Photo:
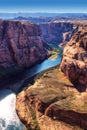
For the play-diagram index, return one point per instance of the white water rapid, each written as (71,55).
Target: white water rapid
(8,117)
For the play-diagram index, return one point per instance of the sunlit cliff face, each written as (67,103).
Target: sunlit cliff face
(74,62)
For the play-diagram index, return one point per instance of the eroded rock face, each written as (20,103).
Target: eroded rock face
(20,44)
(53,103)
(58,32)
(74,61)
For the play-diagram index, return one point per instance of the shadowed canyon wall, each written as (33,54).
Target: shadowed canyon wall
(58,32)
(20,44)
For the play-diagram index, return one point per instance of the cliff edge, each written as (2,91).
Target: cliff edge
(20,44)
(74,61)
(52,103)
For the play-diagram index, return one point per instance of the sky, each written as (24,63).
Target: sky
(50,6)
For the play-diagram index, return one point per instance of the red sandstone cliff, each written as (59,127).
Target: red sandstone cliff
(20,44)
(58,32)
(74,62)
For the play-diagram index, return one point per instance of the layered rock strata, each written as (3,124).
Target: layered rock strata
(58,32)
(53,103)
(20,44)
(74,61)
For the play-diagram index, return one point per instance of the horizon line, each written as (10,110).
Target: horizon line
(47,12)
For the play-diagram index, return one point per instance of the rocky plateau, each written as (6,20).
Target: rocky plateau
(52,103)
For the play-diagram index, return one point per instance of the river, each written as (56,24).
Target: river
(8,117)
(46,64)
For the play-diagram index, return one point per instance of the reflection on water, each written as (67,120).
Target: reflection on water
(8,117)
(46,64)
(43,66)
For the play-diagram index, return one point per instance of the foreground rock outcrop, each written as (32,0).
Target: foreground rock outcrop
(74,61)
(52,103)
(20,44)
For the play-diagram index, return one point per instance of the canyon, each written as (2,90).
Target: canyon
(23,44)
(57,98)
(53,102)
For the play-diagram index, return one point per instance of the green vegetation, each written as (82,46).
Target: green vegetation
(54,55)
(35,122)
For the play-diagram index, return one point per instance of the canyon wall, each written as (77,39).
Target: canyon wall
(58,32)
(74,61)
(20,44)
